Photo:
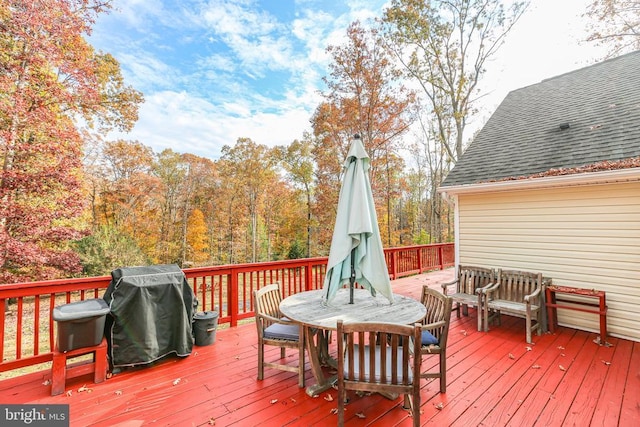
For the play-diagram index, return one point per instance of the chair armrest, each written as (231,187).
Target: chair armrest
(271,319)
(433,326)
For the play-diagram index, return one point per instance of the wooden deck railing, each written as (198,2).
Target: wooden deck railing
(27,329)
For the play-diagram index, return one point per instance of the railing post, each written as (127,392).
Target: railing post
(394,265)
(441,256)
(232,297)
(419,253)
(307,276)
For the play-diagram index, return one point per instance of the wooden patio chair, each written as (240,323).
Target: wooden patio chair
(435,330)
(276,330)
(372,357)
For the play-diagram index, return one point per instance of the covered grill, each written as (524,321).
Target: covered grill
(151,315)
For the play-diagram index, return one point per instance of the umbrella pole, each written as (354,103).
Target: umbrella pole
(352,278)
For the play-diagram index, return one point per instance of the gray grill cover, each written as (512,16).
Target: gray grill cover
(151,314)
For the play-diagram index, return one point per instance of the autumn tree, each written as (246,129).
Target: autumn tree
(364,97)
(248,167)
(200,188)
(197,240)
(443,46)
(50,77)
(127,192)
(297,161)
(616,24)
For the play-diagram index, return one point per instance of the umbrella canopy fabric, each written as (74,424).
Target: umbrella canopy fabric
(356,228)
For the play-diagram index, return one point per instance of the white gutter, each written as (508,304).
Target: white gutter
(587,178)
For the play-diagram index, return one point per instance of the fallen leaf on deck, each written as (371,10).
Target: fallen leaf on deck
(84,388)
(464,333)
(335,410)
(328,398)
(118,392)
(560,347)
(176,381)
(293,400)
(69,392)
(274,401)
(438,405)
(109,375)
(535,367)
(511,356)
(528,348)
(562,368)
(360,415)
(315,396)
(212,422)
(47,382)
(606,363)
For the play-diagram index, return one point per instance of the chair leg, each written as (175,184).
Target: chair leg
(260,361)
(443,372)
(528,320)
(301,365)
(342,396)
(415,408)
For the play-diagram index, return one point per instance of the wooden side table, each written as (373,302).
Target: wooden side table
(60,372)
(599,308)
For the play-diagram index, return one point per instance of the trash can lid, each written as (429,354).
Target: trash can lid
(81,310)
(205,315)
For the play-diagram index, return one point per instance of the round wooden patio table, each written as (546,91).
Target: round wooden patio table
(319,317)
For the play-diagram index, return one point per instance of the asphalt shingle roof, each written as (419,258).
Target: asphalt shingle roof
(523,137)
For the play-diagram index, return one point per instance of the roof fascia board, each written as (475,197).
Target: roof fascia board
(589,178)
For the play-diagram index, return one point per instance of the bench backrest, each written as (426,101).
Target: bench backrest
(471,278)
(515,284)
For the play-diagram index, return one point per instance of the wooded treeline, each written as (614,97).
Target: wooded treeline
(74,203)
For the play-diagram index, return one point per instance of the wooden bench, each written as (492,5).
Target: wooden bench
(517,293)
(469,280)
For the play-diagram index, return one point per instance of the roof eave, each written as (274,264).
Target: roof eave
(590,178)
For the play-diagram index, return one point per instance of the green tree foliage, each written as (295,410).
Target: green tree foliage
(50,76)
(106,249)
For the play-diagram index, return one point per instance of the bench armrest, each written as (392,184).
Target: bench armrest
(528,298)
(445,285)
(488,289)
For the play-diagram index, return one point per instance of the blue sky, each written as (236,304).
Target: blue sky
(216,70)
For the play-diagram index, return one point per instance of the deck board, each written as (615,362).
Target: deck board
(493,379)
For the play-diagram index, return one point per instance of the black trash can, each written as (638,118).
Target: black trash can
(204,327)
(80,324)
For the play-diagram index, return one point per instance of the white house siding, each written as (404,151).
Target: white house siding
(583,236)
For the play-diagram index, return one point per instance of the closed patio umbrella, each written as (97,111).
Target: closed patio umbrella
(356,248)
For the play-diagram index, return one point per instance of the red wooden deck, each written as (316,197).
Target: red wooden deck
(494,379)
